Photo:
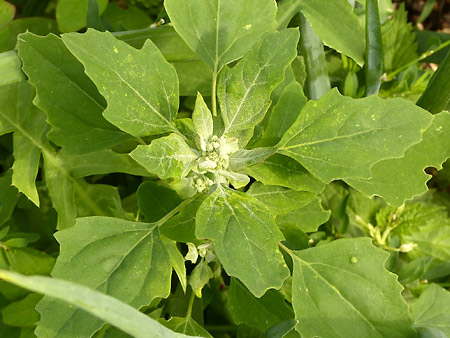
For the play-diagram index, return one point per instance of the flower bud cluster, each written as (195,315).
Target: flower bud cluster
(215,154)
(202,183)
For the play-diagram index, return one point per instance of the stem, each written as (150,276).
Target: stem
(190,306)
(391,75)
(214,90)
(175,211)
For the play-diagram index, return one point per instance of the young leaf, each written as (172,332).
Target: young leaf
(177,260)
(432,310)
(235,220)
(166,157)
(399,41)
(244,90)
(286,172)
(98,304)
(199,277)
(342,287)
(339,137)
(18,115)
(261,313)
(202,119)
(406,177)
(108,255)
(221,31)
(72,103)
(140,86)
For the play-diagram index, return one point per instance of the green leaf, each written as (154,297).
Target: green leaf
(181,227)
(22,312)
(342,287)
(140,86)
(281,200)
(221,31)
(200,276)
(71,14)
(105,307)
(9,196)
(156,201)
(61,191)
(286,172)
(131,18)
(261,313)
(7,12)
(432,310)
(30,261)
(166,157)
(399,41)
(235,220)
(244,90)
(406,177)
(286,111)
(100,163)
(93,15)
(336,25)
(186,326)
(108,255)
(69,98)
(10,65)
(177,260)
(307,218)
(18,115)
(339,137)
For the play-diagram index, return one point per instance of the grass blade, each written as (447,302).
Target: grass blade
(110,309)
(437,95)
(317,81)
(374,50)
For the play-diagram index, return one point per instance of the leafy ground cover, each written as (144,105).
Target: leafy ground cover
(222,168)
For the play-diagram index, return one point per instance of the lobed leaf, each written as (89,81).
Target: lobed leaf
(261,313)
(140,86)
(69,98)
(221,31)
(338,137)
(245,238)
(244,90)
(18,115)
(431,311)
(406,177)
(342,287)
(105,254)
